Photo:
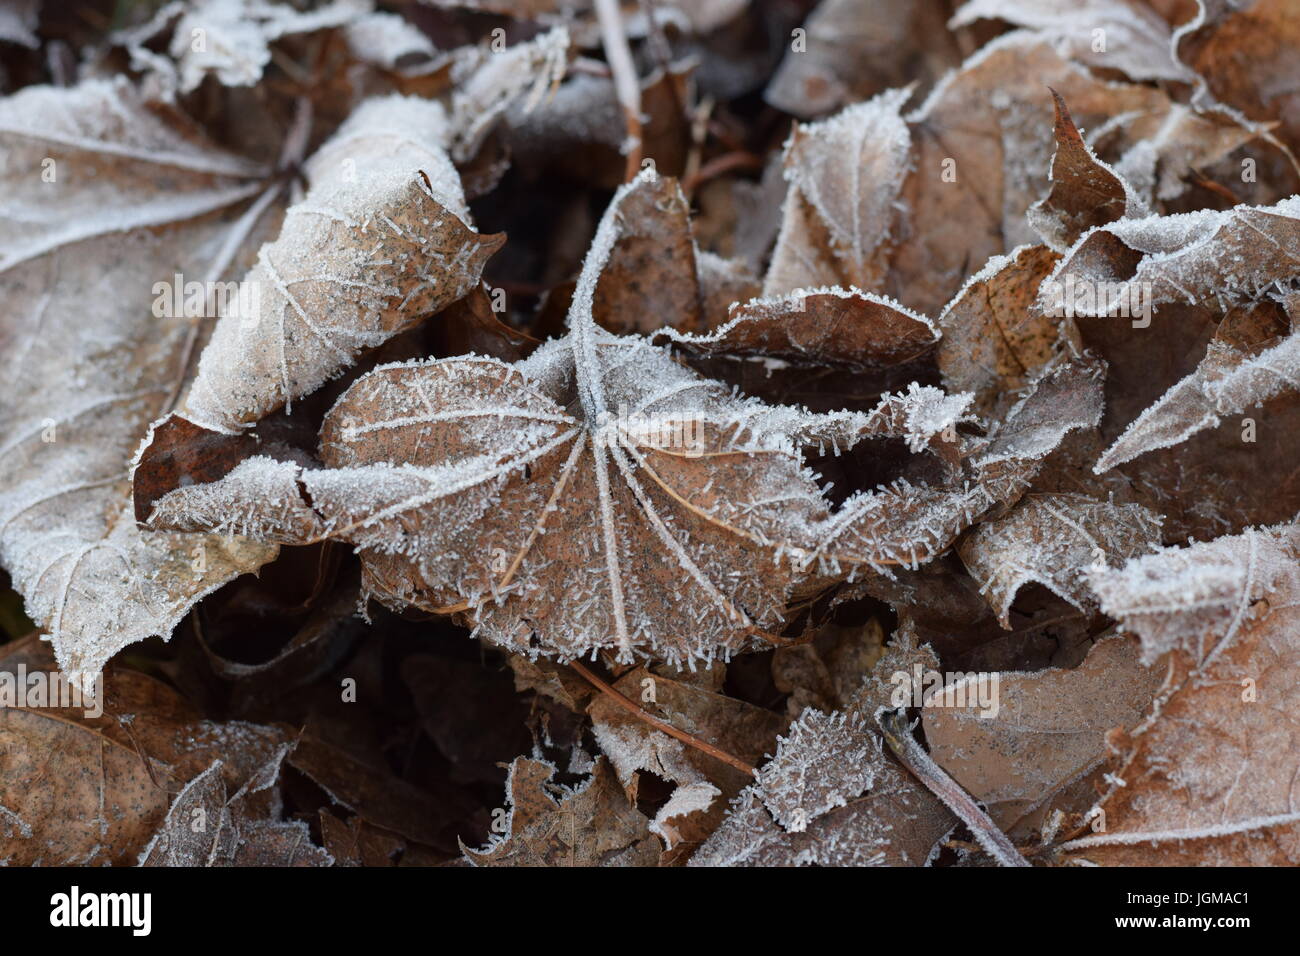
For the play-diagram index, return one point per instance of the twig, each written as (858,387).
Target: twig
(627,704)
(719,165)
(899,737)
(626,84)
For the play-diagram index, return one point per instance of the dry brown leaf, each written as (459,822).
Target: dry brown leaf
(591,824)
(829,797)
(1053,540)
(824,327)
(1124,35)
(379,242)
(1085,191)
(629,503)
(77,787)
(704,784)
(651,279)
(1048,730)
(87,363)
(994,339)
(853,49)
(1208,777)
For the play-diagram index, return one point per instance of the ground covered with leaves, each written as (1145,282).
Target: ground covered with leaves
(653,433)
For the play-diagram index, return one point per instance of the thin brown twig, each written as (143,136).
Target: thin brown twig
(719,165)
(990,836)
(690,739)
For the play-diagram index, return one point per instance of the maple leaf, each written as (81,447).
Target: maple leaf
(529,525)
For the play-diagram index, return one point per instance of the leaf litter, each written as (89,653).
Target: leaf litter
(878,451)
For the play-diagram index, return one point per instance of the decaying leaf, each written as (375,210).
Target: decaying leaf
(378,243)
(1052,540)
(549,529)
(89,781)
(1208,777)
(1036,736)
(551,825)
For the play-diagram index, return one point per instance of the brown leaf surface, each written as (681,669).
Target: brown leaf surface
(1209,776)
(1048,730)
(551,825)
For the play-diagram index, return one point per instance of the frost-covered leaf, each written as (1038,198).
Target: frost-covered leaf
(1205,257)
(1085,191)
(1052,540)
(1198,599)
(845,174)
(591,824)
(1208,778)
(231,39)
(1135,39)
(854,49)
(1042,733)
(829,797)
(87,781)
(209,826)
(1243,54)
(1253,357)
(1243,260)
(491,81)
(104,198)
(596,495)
(704,784)
(833,326)
(651,279)
(994,339)
(379,242)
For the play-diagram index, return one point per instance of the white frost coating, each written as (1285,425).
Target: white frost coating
(236,36)
(1053,540)
(380,240)
(1198,598)
(490,82)
(106,124)
(846,172)
(390,41)
(688,799)
(597,495)
(1226,382)
(822,762)
(1197,257)
(88,363)
(1138,41)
